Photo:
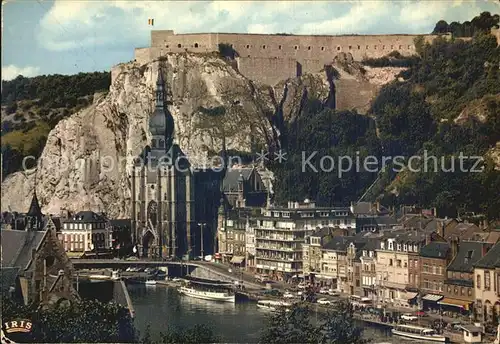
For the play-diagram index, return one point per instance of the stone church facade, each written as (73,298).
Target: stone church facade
(162,189)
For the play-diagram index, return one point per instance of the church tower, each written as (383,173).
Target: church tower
(34,217)
(162,190)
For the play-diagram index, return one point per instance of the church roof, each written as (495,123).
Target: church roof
(17,246)
(35,209)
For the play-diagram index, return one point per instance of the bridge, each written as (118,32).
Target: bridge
(199,269)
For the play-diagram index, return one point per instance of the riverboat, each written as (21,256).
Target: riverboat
(272,305)
(207,289)
(419,333)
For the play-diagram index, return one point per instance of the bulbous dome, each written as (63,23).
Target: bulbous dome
(158,123)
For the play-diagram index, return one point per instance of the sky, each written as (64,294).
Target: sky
(67,37)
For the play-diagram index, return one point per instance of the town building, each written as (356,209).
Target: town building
(487,286)
(232,235)
(245,187)
(434,259)
(280,234)
(334,265)
(250,244)
(459,283)
(398,266)
(35,267)
(368,261)
(313,246)
(86,231)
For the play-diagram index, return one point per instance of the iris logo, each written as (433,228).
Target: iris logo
(14,326)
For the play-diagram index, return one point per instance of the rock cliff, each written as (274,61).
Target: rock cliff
(85,159)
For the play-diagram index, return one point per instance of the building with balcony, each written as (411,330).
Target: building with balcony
(334,267)
(487,285)
(397,266)
(313,246)
(280,235)
(368,261)
(232,235)
(85,231)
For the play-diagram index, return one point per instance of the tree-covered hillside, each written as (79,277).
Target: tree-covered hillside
(448,103)
(31,107)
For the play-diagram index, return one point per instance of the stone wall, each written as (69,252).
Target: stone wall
(271,58)
(351,94)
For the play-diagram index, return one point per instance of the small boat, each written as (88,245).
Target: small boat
(150,282)
(420,333)
(99,277)
(272,305)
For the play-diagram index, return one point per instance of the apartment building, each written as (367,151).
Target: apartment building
(313,248)
(232,235)
(395,278)
(85,231)
(250,244)
(280,235)
(434,258)
(368,260)
(459,283)
(487,285)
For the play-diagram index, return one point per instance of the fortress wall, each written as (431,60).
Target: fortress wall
(267,70)
(289,46)
(142,55)
(312,65)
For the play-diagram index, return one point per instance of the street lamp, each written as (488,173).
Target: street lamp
(201,239)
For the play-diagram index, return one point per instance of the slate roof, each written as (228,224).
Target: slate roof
(435,249)
(35,209)
(86,217)
(491,260)
(17,246)
(230,182)
(464,231)
(8,277)
(121,223)
(338,243)
(469,253)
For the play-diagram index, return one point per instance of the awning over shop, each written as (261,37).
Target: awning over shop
(77,254)
(455,303)
(237,259)
(409,295)
(432,297)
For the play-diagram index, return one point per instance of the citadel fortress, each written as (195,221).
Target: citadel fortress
(272,58)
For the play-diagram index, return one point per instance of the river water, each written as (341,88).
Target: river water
(161,307)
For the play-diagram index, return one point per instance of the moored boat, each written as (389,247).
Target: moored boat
(150,282)
(419,333)
(272,305)
(208,290)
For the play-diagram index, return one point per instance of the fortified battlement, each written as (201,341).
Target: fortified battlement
(271,58)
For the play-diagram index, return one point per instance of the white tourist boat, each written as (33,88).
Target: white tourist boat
(208,290)
(150,282)
(419,333)
(272,305)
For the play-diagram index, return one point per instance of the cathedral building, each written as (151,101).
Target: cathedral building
(163,197)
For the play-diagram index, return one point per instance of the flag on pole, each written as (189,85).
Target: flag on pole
(151,22)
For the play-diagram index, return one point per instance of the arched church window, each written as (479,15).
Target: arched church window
(162,143)
(153,143)
(196,45)
(179,45)
(152,209)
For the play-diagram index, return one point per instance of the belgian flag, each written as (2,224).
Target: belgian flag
(151,22)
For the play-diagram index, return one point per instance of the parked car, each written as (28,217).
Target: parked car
(288,295)
(323,291)
(132,258)
(324,302)
(332,292)
(409,317)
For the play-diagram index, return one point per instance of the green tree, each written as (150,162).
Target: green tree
(296,326)
(82,322)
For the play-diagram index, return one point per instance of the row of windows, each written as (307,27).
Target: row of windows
(399,247)
(460,291)
(83,225)
(339,48)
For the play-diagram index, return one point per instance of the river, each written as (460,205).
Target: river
(161,307)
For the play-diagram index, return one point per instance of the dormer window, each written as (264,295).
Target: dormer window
(364,253)
(405,247)
(382,245)
(399,247)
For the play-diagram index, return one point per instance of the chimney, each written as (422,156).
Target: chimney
(484,249)
(377,206)
(440,230)
(428,239)
(454,247)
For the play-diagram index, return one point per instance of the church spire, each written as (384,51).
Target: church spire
(160,89)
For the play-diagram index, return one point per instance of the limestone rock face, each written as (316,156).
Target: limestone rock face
(84,165)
